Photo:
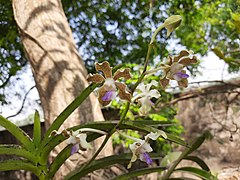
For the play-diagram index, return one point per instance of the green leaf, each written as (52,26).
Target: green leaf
(140,172)
(37,129)
(103,163)
(8,165)
(19,134)
(45,150)
(198,141)
(168,159)
(17,150)
(181,178)
(59,160)
(199,161)
(197,172)
(68,111)
(177,140)
(99,164)
(219,53)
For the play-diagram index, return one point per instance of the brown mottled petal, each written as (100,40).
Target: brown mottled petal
(183,83)
(97,78)
(170,61)
(105,68)
(164,82)
(186,61)
(122,73)
(123,92)
(101,92)
(181,54)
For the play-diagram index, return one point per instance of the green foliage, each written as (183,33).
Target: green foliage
(210,25)
(11,51)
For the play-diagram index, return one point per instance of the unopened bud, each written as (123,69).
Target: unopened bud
(172,23)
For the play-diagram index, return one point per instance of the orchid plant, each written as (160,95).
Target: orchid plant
(34,152)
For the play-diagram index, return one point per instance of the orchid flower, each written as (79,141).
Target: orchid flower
(78,138)
(173,69)
(145,95)
(140,148)
(111,87)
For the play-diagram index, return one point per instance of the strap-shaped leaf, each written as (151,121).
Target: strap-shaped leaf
(68,111)
(37,129)
(59,160)
(103,163)
(140,172)
(99,164)
(45,151)
(198,172)
(19,134)
(9,165)
(17,150)
(198,141)
(199,161)
(181,178)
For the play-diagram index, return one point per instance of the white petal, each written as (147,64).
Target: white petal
(141,87)
(146,105)
(176,77)
(110,83)
(83,141)
(156,135)
(137,96)
(146,148)
(154,83)
(72,140)
(154,93)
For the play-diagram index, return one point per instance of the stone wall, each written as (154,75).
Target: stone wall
(218,111)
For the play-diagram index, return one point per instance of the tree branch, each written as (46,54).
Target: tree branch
(23,102)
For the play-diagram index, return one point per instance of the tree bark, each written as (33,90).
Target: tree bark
(58,70)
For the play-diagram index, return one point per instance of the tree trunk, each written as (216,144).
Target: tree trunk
(58,70)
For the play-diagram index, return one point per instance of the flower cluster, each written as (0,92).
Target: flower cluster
(111,88)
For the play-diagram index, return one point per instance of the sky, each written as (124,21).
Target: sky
(211,67)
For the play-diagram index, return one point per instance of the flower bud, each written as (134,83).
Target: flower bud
(172,23)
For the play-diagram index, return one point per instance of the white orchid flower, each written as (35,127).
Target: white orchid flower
(140,148)
(145,95)
(78,138)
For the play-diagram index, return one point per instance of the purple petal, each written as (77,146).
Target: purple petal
(74,149)
(182,75)
(108,96)
(146,158)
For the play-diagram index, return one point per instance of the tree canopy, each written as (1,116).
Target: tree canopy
(119,31)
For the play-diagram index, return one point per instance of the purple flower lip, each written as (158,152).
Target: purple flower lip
(147,158)
(108,96)
(182,75)
(74,149)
